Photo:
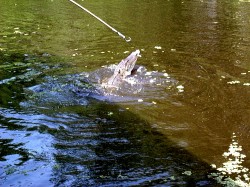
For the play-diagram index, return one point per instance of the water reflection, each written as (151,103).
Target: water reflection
(26,151)
(232,173)
(89,146)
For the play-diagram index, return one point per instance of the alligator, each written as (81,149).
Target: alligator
(125,68)
(125,81)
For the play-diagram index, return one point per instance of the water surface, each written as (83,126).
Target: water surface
(165,136)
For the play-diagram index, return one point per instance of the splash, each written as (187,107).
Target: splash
(232,173)
(143,84)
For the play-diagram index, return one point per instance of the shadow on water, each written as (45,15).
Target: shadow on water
(119,149)
(90,143)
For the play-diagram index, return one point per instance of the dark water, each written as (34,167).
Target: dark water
(168,134)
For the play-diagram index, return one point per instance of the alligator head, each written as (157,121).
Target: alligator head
(124,68)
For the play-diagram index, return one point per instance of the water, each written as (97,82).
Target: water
(166,135)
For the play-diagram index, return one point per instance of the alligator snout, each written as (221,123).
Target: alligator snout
(124,68)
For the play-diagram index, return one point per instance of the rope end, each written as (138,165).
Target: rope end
(127,39)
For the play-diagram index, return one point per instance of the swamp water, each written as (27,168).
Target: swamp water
(187,117)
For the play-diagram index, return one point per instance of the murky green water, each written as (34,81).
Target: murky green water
(168,134)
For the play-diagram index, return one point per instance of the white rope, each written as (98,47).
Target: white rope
(120,34)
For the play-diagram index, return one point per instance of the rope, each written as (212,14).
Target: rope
(113,29)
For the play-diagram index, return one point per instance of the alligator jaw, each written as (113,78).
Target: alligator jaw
(124,68)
